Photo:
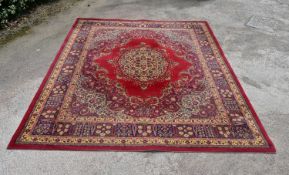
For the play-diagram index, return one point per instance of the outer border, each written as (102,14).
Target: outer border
(14,145)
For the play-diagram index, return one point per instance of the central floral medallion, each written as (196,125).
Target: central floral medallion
(143,64)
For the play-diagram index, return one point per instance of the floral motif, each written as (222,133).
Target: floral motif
(103,130)
(144,131)
(60,89)
(49,114)
(185,131)
(226,93)
(62,128)
(68,69)
(224,131)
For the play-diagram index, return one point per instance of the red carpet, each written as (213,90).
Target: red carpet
(140,85)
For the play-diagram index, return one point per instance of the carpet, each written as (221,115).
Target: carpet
(141,85)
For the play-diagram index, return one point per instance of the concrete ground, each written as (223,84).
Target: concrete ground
(255,38)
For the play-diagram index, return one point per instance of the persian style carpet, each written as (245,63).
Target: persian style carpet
(141,85)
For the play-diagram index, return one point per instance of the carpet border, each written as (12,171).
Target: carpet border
(12,144)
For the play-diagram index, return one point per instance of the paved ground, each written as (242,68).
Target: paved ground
(255,38)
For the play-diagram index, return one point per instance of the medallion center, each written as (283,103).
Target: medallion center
(143,63)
